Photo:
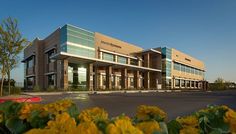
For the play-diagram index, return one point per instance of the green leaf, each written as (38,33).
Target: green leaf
(16,126)
(73,111)
(174,127)
(10,108)
(37,121)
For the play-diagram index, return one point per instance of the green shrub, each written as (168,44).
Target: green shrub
(36,88)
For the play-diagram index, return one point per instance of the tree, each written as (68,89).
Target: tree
(219,80)
(12,43)
(3,57)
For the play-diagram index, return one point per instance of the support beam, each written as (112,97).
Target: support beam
(147,80)
(108,77)
(136,79)
(95,78)
(124,80)
(64,74)
(89,77)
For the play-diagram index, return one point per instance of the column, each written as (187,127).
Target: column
(89,77)
(64,74)
(147,80)
(136,79)
(173,83)
(108,77)
(124,76)
(95,77)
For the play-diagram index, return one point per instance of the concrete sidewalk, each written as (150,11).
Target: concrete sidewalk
(106,92)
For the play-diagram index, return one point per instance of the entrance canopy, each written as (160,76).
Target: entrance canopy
(81,59)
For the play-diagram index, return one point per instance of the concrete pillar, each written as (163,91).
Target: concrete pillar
(89,77)
(136,79)
(95,77)
(124,80)
(147,80)
(128,61)
(108,77)
(64,74)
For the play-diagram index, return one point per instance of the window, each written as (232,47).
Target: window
(121,59)
(108,57)
(134,62)
(192,84)
(51,80)
(177,66)
(131,81)
(177,82)
(188,83)
(187,69)
(51,53)
(118,81)
(30,62)
(166,53)
(182,68)
(104,80)
(192,70)
(182,83)
(30,82)
(113,81)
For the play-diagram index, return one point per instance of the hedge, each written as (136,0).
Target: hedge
(63,117)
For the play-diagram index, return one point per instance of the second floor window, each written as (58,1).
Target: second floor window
(30,62)
(50,54)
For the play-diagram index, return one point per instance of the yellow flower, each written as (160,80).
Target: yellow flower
(230,117)
(87,128)
(149,112)
(93,114)
(188,121)
(26,109)
(122,126)
(189,130)
(63,124)
(56,107)
(149,127)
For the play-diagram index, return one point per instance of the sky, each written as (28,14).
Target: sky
(204,29)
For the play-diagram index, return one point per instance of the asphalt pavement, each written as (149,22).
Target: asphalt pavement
(173,103)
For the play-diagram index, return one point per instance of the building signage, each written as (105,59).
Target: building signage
(110,44)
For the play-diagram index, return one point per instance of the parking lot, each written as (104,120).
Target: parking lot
(174,103)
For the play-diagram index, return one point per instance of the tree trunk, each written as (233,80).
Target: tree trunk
(2,84)
(9,82)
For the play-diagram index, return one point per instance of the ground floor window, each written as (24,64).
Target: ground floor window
(188,83)
(113,81)
(118,81)
(192,84)
(104,80)
(77,76)
(177,82)
(168,83)
(51,80)
(131,79)
(30,82)
(182,83)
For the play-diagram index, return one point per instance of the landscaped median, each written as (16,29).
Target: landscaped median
(63,117)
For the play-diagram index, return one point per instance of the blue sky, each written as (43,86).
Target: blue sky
(205,29)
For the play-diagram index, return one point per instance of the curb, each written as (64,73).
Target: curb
(110,92)
(23,99)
